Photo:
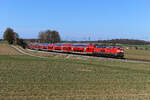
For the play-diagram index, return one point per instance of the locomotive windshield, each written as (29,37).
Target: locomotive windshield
(57,44)
(45,44)
(119,47)
(79,45)
(111,47)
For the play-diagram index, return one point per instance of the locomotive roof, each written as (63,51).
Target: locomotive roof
(58,44)
(46,44)
(79,45)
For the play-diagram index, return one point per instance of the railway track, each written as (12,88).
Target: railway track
(90,56)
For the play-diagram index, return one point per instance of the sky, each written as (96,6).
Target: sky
(77,19)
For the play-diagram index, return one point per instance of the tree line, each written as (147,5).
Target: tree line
(48,36)
(52,36)
(125,41)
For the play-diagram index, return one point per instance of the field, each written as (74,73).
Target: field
(30,78)
(138,54)
(5,49)
(141,53)
(3,42)
(129,54)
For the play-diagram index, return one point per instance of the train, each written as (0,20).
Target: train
(87,49)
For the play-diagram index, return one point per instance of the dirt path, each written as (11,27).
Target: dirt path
(19,50)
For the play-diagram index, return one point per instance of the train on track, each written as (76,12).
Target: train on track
(88,49)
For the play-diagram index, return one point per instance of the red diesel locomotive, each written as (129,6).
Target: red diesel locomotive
(92,49)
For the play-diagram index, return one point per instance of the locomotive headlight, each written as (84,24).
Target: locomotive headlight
(118,50)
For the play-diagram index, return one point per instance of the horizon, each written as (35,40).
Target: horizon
(78,20)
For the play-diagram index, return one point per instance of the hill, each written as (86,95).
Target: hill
(113,41)
(126,41)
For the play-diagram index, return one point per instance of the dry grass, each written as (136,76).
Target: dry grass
(72,78)
(51,54)
(30,78)
(130,54)
(6,49)
(138,54)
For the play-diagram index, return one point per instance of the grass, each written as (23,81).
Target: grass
(142,54)
(129,54)
(138,54)
(139,46)
(30,78)
(3,42)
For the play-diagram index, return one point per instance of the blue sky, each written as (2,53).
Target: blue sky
(77,19)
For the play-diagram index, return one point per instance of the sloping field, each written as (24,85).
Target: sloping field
(66,78)
(31,78)
(6,49)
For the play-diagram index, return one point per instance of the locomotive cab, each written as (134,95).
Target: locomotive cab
(109,51)
(119,51)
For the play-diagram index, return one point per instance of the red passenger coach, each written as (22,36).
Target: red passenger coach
(57,46)
(44,46)
(35,46)
(29,46)
(90,49)
(40,47)
(67,47)
(50,47)
(79,47)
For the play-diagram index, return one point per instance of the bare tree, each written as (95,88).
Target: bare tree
(49,36)
(55,36)
(41,36)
